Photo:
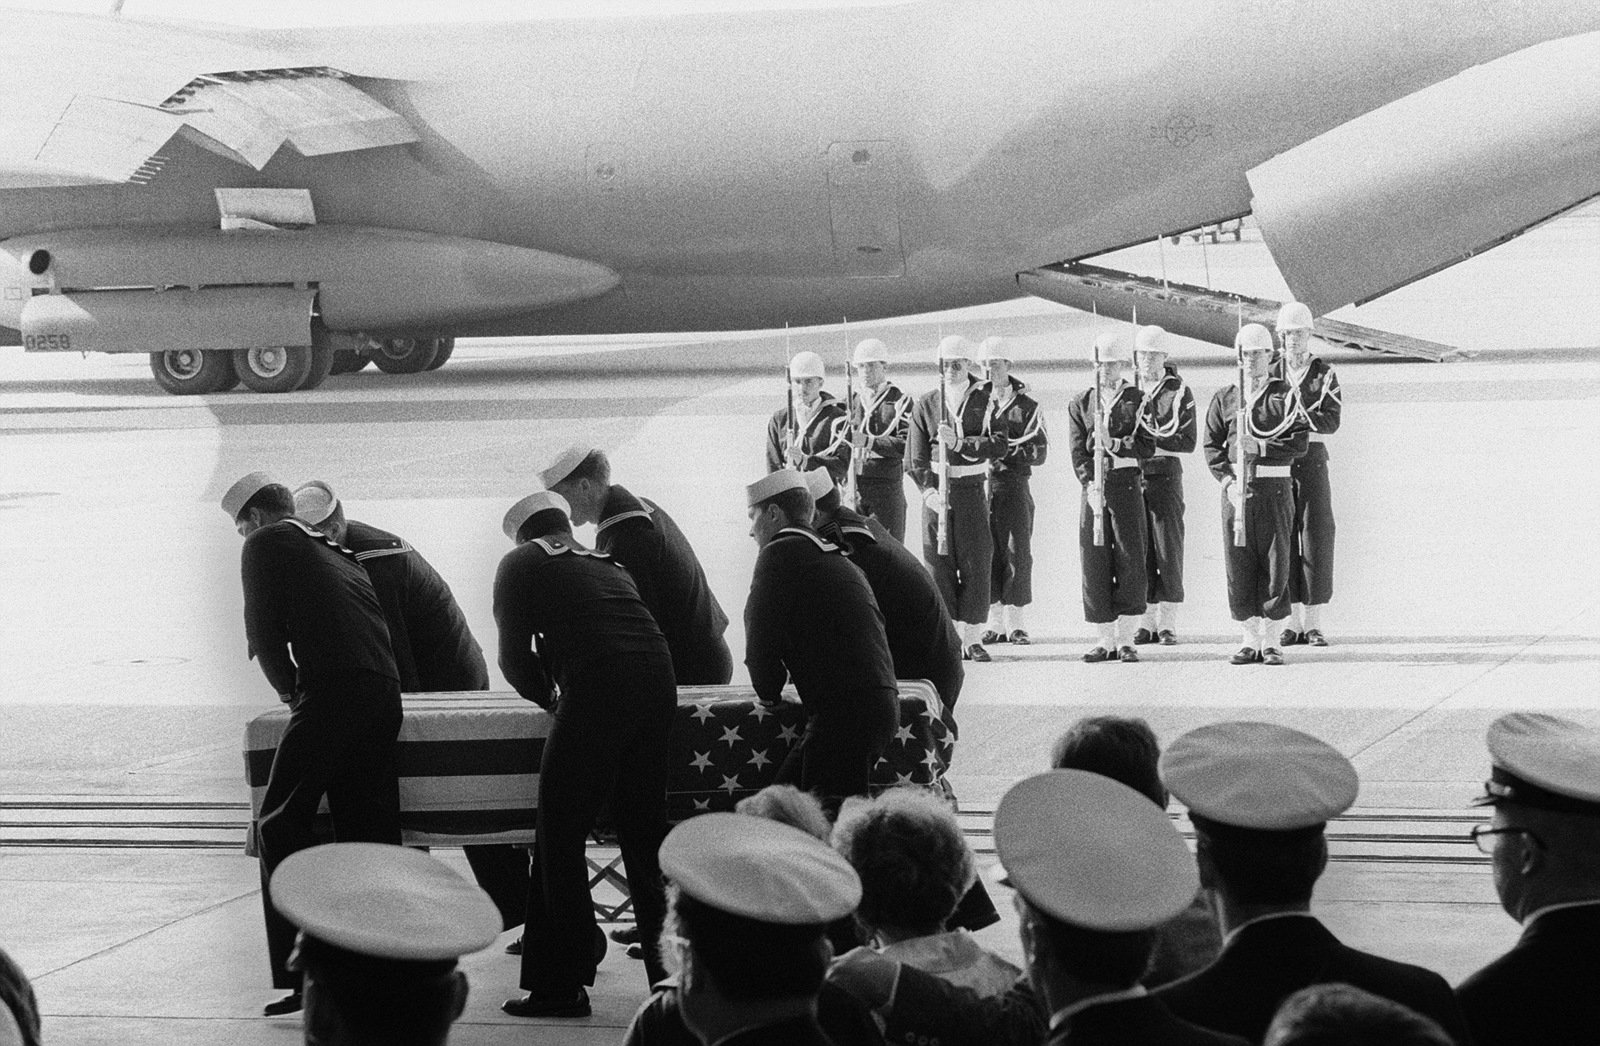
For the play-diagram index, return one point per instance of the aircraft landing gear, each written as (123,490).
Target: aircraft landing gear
(194,372)
(406,355)
(283,368)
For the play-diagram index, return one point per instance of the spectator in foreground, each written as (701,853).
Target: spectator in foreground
(1344,1015)
(19,1010)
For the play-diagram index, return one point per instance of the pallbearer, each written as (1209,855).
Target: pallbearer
(952,418)
(1317,391)
(1014,416)
(880,416)
(812,429)
(1169,418)
(1104,422)
(1258,570)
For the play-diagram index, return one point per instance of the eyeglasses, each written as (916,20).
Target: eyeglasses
(1482,836)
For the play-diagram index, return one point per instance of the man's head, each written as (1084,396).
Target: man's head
(316,504)
(995,356)
(539,514)
(1344,1015)
(871,361)
(1254,345)
(777,500)
(1123,749)
(381,929)
(749,905)
(1544,839)
(581,474)
(807,372)
(1113,360)
(955,359)
(1096,867)
(1259,796)
(256,500)
(1294,330)
(1152,346)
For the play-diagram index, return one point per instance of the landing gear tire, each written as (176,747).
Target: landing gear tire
(321,367)
(348,361)
(447,348)
(274,368)
(193,372)
(405,355)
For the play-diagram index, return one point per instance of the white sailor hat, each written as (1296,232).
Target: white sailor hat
(1151,338)
(994,348)
(1259,775)
(529,506)
(819,481)
(1109,347)
(314,501)
(384,901)
(760,869)
(774,483)
(955,347)
(1093,852)
(1253,337)
(243,489)
(807,365)
(870,350)
(1545,762)
(561,466)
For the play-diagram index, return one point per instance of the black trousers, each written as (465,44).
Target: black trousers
(1258,571)
(608,747)
(884,497)
(1113,573)
(1311,551)
(1163,514)
(962,576)
(339,744)
(1011,529)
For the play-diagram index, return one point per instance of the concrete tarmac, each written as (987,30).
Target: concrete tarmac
(1463,590)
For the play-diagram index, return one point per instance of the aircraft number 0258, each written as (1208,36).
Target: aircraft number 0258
(47,342)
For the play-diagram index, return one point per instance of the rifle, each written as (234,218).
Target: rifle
(1102,436)
(793,449)
(852,477)
(943,534)
(1241,425)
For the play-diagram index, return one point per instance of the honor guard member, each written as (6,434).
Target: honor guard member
(813,428)
(641,536)
(433,651)
(1544,844)
(811,618)
(576,639)
(1014,416)
(1311,563)
(1169,418)
(1259,796)
(880,417)
(381,930)
(1111,522)
(1257,569)
(752,900)
(949,422)
(314,623)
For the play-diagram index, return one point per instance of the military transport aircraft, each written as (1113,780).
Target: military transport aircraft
(266,204)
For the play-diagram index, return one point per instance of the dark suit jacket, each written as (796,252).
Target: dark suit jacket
(1143,1021)
(1266,962)
(1546,990)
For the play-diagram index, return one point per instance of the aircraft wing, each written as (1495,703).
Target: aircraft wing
(1435,177)
(100,109)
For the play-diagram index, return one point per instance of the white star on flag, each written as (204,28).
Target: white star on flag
(929,713)
(702,806)
(789,733)
(701,712)
(730,734)
(904,734)
(903,779)
(759,759)
(759,711)
(932,761)
(730,784)
(701,761)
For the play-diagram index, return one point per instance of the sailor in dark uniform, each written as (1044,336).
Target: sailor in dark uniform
(1321,402)
(1113,568)
(879,416)
(814,428)
(434,651)
(950,420)
(1169,418)
(1545,846)
(811,618)
(1259,796)
(1258,569)
(1014,416)
(314,623)
(575,638)
(641,536)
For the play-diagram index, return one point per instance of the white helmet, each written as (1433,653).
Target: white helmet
(1253,337)
(1294,316)
(870,350)
(955,347)
(807,365)
(1152,339)
(995,348)
(1110,348)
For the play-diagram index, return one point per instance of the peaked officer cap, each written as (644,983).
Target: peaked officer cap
(1543,761)
(1093,852)
(774,483)
(807,365)
(1259,775)
(385,901)
(314,501)
(760,869)
(870,350)
(561,466)
(530,506)
(243,489)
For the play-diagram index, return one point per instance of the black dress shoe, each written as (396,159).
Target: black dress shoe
(1019,637)
(975,652)
(991,636)
(515,947)
(1097,655)
(565,1004)
(1247,655)
(1143,636)
(1314,637)
(1289,637)
(290,1003)
(1167,637)
(1127,655)
(1271,656)
(626,934)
